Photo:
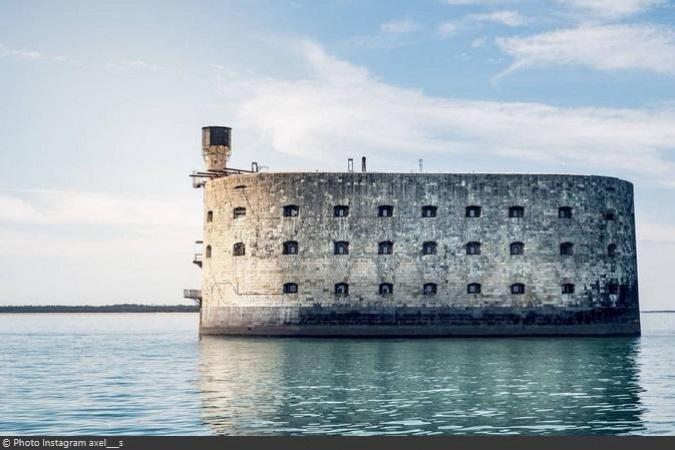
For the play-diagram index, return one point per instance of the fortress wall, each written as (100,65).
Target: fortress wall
(255,280)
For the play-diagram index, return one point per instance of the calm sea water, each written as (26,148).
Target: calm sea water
(150,374)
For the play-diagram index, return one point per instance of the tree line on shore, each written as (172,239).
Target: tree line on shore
(121,308)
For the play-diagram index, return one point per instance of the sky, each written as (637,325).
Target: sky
(102,104)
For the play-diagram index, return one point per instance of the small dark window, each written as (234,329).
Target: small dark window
(429,211)
(610,214)
(239,249)
(342,289)
(291,248)
(429,289)
(208,251)
(290,288)
(429,248)
(473,288)
(473,248)
(385,211)
(341,248)
(473,211)
(566,248)
(239,212)
(613,288)
(340,211)
(518,288)
(209,216)
(565,212)
(517,248)
(516,211)
(568,288)
(385,248)
(386,289)
(291,211)
(611,250)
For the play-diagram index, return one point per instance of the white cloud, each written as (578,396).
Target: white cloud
(340,106)
(447,29)
(663,233)
(472,21)
(136,65)
(28,54)
(472,2)
(399,27)
(603,47)
(479,42)
(392,34)
(509,18)
(49,207)
(612,8)
(81,247)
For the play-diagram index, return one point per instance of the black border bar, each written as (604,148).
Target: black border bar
(340,442)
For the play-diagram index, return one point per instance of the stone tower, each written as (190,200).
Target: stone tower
(216,147)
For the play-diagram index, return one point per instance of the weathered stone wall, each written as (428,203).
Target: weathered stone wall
(255,280)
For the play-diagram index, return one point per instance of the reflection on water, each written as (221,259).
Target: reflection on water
(350,386)
(150,374)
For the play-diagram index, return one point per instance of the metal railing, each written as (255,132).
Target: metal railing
(194,294)
(198,258)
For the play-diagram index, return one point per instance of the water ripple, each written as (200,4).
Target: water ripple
(149,374)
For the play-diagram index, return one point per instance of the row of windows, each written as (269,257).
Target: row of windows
(342,289)
(564,212)
(428,248)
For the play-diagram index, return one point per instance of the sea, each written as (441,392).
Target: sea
(151,374)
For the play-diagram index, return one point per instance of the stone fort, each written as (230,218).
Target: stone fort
(359,253)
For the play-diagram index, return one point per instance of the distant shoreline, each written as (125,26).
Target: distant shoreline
(123,308)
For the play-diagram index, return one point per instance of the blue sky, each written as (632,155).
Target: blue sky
(101,105)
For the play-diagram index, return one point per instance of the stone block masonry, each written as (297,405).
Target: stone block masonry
(426,255)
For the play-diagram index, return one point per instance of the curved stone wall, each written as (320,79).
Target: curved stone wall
(277,244)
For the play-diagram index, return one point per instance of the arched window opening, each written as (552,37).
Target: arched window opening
(566,249)
(516,212)
(611,250)
(341,289)
(340,211)
(473,248)
(568,288)
(473,288)
(429,211)
(385,211)
(209,216)
(239,212)
(341,248)
(208,251)
(565,212)
(290,288)
(239,249)
(429,248)
(517,248)
(429,289)
(291,211)
(473,211)
(518,288)
(385,248)
(610,214)
(291,248)
(386,289)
